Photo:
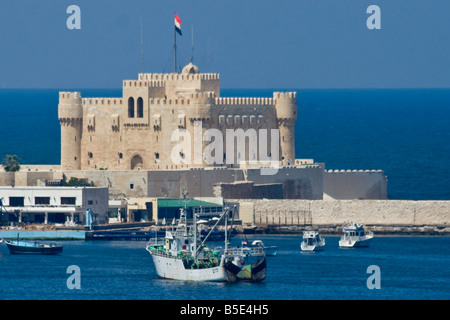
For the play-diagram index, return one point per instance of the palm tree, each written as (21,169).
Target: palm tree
(11,163)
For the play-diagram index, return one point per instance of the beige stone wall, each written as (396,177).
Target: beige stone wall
(355,184)
(338,212)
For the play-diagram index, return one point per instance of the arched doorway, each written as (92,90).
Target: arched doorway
(137,163)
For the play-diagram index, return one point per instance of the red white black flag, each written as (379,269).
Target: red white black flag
(178,24)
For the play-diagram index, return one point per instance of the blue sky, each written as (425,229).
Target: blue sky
(252,44)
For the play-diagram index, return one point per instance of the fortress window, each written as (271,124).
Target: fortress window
(120,155)
(156,155)
(130,107)
(140,108)
(90,155)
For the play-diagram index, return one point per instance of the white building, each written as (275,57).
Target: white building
(54,204)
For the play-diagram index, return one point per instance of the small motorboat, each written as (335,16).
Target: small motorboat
(268,250)
(21,247)
(355,236)
(312,241)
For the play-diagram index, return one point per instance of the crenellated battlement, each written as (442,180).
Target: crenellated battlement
(177,76)
(245,101)
(285,96)
(102,101)
(140,84)
(69,95)
(163,101)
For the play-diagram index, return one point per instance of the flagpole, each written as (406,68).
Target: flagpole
(175,50)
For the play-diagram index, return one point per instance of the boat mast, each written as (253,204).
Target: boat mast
(226,231)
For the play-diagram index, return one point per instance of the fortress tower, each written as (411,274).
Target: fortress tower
(286,113)
(134,132)
(70,114)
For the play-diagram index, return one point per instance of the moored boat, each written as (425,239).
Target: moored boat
(246,264)
(21,247)
(312,241)
(181,255)
(355,236)
(268,250)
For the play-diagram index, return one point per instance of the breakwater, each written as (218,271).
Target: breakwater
(42,235)
(381,216)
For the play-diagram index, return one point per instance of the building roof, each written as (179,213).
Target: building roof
(178,203)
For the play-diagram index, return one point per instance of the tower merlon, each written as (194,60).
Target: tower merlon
(286,105)
(70,105)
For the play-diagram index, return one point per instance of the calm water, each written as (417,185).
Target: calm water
(403,132)
(411,268)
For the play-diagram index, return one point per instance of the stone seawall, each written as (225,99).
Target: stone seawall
(384,216)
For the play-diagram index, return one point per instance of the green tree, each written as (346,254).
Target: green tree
(11,163)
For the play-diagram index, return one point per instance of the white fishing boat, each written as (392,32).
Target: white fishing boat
(180,255)
(355,236)
(312,241)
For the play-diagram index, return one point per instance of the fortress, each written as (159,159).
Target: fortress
(127,148)
(135,132)
(170,132)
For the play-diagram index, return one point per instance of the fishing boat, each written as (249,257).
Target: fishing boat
(245,264)
(355,236)
(21,247)
(312,241)
(181,255)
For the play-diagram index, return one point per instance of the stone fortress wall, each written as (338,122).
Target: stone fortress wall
(381,216)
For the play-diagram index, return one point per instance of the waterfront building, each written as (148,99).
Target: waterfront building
(64,205)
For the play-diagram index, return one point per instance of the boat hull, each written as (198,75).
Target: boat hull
(173,268)
(249,272)
(310,248)
(32,249)
(354,243)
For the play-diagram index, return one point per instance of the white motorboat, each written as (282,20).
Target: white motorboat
(312,241)
(355,236)
(267,250)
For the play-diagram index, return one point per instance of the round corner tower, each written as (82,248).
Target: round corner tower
(286,109)
(70,114)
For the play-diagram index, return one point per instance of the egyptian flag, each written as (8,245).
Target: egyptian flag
(178,24)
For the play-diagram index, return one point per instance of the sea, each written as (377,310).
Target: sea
(404,132)
(391,268)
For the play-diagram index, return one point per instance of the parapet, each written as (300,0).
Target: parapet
(178,76)
(74,95)
(292,96)
(245,101)
(102,101)
(140,84)
(286,106)
(70,107)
